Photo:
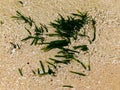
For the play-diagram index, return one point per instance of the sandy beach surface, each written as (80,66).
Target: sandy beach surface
(104,53)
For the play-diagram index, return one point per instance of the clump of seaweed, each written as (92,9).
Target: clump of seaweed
(69,29)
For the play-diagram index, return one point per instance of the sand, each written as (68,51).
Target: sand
(104,53)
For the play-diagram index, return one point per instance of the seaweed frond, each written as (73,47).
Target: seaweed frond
(20,16)
(56,44)
(78,73)
(20,71)
(68,86)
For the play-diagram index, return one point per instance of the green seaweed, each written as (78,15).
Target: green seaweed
(20,71)
(82,47)
(68,86)
(67,29)
(78,73)
(42,66)
(20,16)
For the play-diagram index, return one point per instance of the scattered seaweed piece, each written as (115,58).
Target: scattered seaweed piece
(20,16)
(78,73)
(42,66)
(82,47)
(83,65)
(33,72)
(60,61)
(68,86)
(50,71)
(1,22)
(20,2)
(89,66)
(52,64)
(20,71)
(94,28)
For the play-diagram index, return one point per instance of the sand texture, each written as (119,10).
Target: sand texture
(104,53)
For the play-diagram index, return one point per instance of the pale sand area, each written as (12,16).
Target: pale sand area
(104,53)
